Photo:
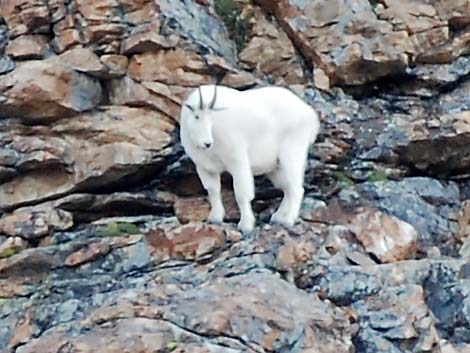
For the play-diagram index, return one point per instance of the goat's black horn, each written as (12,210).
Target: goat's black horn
(201,103)
(212,104)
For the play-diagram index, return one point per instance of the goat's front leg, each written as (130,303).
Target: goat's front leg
(211,182)
(244,188)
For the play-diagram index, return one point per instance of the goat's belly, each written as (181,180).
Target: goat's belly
(263,160)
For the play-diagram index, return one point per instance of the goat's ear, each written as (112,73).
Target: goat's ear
(189,107)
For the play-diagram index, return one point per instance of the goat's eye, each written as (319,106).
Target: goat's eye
(197,117)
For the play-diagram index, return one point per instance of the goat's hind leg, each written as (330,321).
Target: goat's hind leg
(290,178)
(211,182)
(279,180)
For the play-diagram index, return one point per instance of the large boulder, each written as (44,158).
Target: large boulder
(46,90)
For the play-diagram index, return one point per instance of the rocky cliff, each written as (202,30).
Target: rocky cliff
(102,248)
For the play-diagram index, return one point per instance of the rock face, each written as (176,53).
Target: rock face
(361,41)
(85,152)
(58,91)
(103,245)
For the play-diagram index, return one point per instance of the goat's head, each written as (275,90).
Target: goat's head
(199,123)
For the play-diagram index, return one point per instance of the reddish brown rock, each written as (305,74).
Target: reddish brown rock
(174,67)
(226,312)
(196,209)
(66,39)
(152,319)
(370,49)
(25,16)
(27,47)
(104,26)
(447,53)
(192,209)
(66,33)
(89,150)
(270,51)
(294,253)
(146,40)
(139,11)
(126,91)
(83,60)
(193,241)
(386,237)
(414,17)
(457,12)
(240,79)
(321,79)
(32,224)
(88,253)
(58,91)
(356,43)
(116,65)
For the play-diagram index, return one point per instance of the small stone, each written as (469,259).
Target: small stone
(88,253)
(293,253)
(66,39)
(116,64)
(83,60)
(28,47)
(321,80)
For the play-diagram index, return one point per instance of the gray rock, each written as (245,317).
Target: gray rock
(66,311)
(136,258)
(371,341)
(448,297)
(6,65)
(444,74)
(429,205)
(191,20)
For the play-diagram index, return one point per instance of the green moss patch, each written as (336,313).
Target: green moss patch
(10,252)
(116,229)
(236,26)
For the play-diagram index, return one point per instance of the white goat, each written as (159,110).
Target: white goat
(259,131)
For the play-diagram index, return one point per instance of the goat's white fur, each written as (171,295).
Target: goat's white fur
(259,131)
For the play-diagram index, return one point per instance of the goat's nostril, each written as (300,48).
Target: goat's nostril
(207,144)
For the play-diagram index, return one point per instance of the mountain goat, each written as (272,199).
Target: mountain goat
(246,133)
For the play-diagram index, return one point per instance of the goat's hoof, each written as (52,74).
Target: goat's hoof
(282,222)
(246,228)
(277,218)
(214,221)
